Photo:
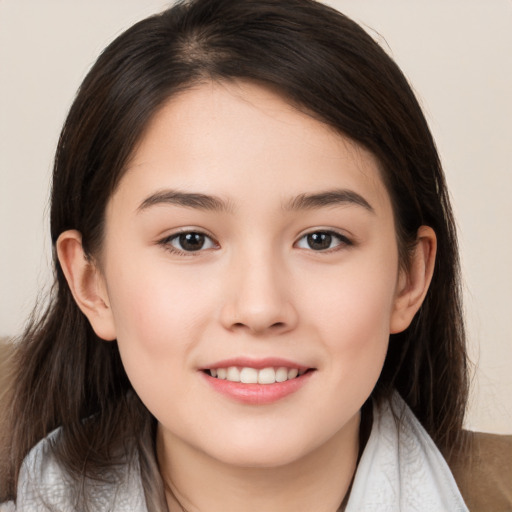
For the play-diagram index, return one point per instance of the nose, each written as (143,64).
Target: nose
(259,297)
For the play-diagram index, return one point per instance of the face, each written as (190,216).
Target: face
(249,240)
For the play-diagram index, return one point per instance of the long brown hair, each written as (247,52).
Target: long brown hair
(323,63)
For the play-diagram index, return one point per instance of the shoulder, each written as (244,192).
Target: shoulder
(42,481)
(482,466)
(401,468)
(45,484)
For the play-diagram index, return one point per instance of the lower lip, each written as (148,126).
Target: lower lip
(257,394)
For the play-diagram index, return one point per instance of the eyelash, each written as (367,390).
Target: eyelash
(343,241)
(167,242)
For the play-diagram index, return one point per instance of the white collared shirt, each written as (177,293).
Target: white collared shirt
(401,469)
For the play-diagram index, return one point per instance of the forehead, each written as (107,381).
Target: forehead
(240,141)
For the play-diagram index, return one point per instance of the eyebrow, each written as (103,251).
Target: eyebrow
(213,203)
(185,199)
(328,198)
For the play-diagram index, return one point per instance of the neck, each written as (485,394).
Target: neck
(318,481)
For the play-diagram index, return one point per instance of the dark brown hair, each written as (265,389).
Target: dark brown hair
(321,62)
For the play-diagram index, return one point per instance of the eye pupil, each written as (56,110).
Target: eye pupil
(192,241)
(319,241)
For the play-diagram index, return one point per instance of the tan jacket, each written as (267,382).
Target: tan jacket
(484,471)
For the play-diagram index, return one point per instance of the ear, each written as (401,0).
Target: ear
(86,283)
(413,283)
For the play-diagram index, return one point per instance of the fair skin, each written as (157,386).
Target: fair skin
(293,256)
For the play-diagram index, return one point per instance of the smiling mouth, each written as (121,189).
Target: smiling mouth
(247,375)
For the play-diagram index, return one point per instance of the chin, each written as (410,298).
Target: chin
(261,451)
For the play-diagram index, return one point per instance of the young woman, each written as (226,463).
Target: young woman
(257,302)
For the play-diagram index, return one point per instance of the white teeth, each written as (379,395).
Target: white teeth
(253,376)
(293,372)
(249,376)
(282,374)
(267,376)
(233,374)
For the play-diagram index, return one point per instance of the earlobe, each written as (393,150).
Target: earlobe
(414,283)
(86,284)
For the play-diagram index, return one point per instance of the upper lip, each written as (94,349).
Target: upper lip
(267,362)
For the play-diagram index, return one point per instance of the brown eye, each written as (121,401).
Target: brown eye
(190,241)
(319,241)
(322,241)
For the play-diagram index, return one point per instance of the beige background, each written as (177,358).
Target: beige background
(456,53)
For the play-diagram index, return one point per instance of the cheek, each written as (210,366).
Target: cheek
(352,316)
(155,307)
(158,317)
(352,323)
(356,301)
(154,331)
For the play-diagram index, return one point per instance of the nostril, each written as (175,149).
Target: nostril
(276,325)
